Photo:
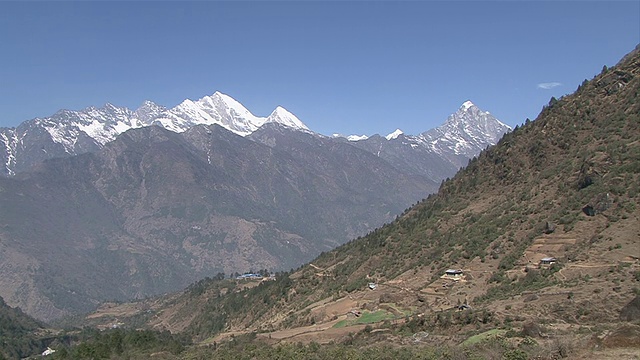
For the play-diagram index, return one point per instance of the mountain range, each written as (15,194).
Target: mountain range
(68,133)
(75,132)
(114,204)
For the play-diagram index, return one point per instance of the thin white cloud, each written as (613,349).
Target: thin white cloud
(548,85)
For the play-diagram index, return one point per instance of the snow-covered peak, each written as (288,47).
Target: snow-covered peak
(218,109)
(149,105)
(466,105)
(357,137)
(466,131)
(394,134)
(94,127)
(469,113)
(350,137)
(231,105)
(110,106)
(225,111)
(282,116)
(148,111)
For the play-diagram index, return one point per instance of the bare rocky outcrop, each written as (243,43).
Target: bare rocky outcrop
(631,311)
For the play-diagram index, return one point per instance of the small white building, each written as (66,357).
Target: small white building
(49,351)
(547,261)
(453,274)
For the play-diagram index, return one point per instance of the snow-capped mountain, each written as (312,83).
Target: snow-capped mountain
(466,131)
(353,137)
(440,152)
(394,135)
(225,111)
(357,137)
(283,117)
(71,132)
(149,111)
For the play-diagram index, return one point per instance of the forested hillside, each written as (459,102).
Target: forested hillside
(18,333)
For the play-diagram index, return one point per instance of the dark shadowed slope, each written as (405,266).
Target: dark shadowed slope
(155,210)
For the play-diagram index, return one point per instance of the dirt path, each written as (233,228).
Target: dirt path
(312,329)
(568,266)
(321,336)
(321,333)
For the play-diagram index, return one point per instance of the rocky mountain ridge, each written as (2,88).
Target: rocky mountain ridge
(440,152)
(69,132)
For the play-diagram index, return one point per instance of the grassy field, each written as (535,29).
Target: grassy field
(483,336)
(366,318)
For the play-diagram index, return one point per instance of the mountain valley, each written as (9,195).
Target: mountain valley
(532,251)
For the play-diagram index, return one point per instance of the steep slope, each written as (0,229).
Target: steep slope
(564,186)
(325,156)
(155,210)
(18,333)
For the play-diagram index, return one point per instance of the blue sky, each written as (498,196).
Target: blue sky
(360,67)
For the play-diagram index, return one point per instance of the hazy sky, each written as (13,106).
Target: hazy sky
(342,67)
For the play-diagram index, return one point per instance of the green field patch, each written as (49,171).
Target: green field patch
(367,317)
(341,324)
(483,336)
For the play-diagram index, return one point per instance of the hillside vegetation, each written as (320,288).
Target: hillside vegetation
(17,333)
(565,186)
